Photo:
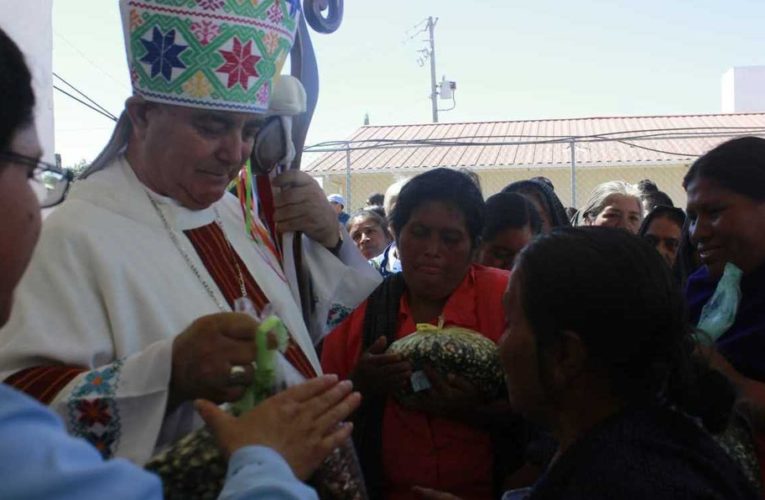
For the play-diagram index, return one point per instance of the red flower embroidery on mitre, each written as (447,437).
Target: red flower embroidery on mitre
(240,64)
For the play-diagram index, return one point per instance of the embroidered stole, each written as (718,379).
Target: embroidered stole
(216,255)
(43,382)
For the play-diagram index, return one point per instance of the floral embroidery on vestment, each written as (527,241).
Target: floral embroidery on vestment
(93,411)
(337,313)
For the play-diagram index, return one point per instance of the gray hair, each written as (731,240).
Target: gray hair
(115,147)
(600,195)
(391,195)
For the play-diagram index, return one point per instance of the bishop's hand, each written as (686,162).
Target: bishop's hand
(301,205)
(212,359)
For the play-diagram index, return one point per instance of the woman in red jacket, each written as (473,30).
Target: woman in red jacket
(442,440)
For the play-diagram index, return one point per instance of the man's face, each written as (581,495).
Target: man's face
(725,226)
(336,207)
(191,155)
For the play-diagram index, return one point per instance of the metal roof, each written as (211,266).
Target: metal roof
(600,141)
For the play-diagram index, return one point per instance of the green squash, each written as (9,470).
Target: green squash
(454,350)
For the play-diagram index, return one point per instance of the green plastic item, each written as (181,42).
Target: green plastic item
(719,313)
(267,370)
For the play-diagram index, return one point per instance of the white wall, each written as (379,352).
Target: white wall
(743,90)
(29,23)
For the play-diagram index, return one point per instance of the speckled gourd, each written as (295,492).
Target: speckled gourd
(456,350)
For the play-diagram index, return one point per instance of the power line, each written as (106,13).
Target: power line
(107,115)
(691,155)
(669,134)
(663,134)
(89,61)
(86,97)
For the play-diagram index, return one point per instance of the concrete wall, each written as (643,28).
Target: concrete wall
(30,24)
(743,90)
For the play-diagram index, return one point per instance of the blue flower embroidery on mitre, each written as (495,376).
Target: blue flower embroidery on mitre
(162,53)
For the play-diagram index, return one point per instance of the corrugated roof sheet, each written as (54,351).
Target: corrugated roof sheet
(601,141)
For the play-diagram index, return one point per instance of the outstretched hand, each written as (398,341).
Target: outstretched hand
(302,423)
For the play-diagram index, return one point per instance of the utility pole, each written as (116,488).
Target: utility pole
(433,87)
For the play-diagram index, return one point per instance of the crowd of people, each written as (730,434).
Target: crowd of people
(630,332)
(622,283)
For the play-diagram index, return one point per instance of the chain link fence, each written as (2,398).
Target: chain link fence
(572,184)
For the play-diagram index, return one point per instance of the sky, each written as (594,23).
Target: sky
(511,59)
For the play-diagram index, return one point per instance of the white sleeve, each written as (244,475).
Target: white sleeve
(120,407)
(338,283)
(61,318)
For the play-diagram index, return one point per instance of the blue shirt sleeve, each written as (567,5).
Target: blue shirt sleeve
(38,459)
(260,472)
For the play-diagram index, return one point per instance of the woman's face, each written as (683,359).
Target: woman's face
(621,211)
(435,250)
(518,354)
(20,219)
(501,250)
(664,234)
(368,236)
(725,226)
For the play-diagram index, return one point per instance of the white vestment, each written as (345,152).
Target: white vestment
(108,290)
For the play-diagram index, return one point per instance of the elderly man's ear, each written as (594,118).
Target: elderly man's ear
(139,111)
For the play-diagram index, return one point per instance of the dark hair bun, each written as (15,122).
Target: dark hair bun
(647,186)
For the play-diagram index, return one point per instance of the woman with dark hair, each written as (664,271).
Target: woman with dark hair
(651,197)
(688,260)
(663,228)
(369,231)
(38,459)
(441,440)
(726,212)
(544,199)
(511,222)
(606,367)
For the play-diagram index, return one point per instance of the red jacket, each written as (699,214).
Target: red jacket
(420,450)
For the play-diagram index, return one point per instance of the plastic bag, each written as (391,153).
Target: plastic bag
(719,313)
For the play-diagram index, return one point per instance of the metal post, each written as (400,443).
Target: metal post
(573,172)
(433,87)
(348,177)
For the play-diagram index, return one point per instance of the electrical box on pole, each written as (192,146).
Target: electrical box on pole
(446,88)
